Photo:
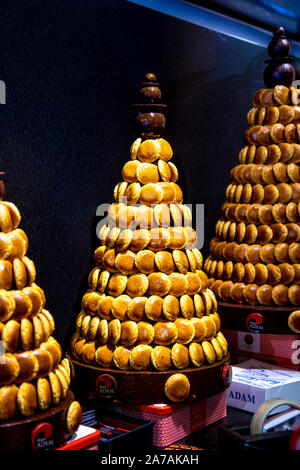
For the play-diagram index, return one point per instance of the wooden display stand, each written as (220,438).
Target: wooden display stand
(146,387)
(38,432)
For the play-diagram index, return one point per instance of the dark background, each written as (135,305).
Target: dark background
(72,69)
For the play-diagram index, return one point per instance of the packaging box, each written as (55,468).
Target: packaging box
(173,422)
(254,382)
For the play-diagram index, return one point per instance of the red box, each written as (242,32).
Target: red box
(174,422)
(282,350)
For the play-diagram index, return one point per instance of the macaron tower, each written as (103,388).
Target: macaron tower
(148,316)
(255,255)
(34,377)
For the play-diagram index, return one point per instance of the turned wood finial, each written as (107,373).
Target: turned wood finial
(150,120)
(279,70)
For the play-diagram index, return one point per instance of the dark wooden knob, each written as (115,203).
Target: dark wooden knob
(279,70)
(150,120)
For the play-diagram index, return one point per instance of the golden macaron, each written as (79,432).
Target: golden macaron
(180,356)
(145,333)
(161,358)
(177,387)
(171,307)
(136,308)
(121,358)
(114,331)
(196,354)
(129,333)
(165,333)
(154,307)
(140,357)
(186,330)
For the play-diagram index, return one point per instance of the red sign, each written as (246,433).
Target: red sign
(41,436)
(227,375)
(254,322)
(106,386)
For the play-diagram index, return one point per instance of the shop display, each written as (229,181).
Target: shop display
(149,329)
(254,262)
(37,409)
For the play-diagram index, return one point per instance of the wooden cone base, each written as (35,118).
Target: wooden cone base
(45,430)
(146,387)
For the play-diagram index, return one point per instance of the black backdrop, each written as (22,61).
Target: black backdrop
(72,68)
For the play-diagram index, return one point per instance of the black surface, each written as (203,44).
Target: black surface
(72,69)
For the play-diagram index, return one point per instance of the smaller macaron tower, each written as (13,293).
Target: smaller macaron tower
(254,256)
(148,306)
(34,376)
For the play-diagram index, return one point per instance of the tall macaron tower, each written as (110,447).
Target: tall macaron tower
(149,330)
(254,262)
(37,408)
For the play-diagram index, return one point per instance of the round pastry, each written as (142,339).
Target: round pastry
(104,355)
(140,239)
(217,347)
(102,332)
(114,331)
(186,330)
(85,324)
(178,284)
(177,387)
(6,275)
(294,294)
(161,358)
(132,194)
(27,399)
(145,333)
(169,193)
(90,300)
(178,238)
(210,327)
(192,259)
(171,307)
(164,262)
(125,217)
(134,148)
(159,284)
(165,333)
(180,356)
(129,171)
(129,333)
(36,298)
(5,219)
(294,321)
(144,217)
(28,365)
(145,261)
(88,353)
(151,194)
(174,172)
(93,278)
(120,306)
(200,329)
(160,239)
(149,150)
(55,386)
(154,307)
(112,237)
(236,292)
(287,273)
(104,307)
(209,352)
(93,328)
(208,303)
(9,368)
(8,401)
(194,283)
(140,357)
(196,354)
(199,305)
(217,320)
(44,396)
(137,285)
(54,350)
(109,259)
(74,416)
(136,308)
(11,336)
(98,255)
(117,284)
(187,306)
(14,213)
(162,215)
(63,382)
(166,151)
(7,305)
(147,173)
(182,262)
(26,334)
(280,295)
(274,274)
(124,239)
(176,214)
(121,358)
